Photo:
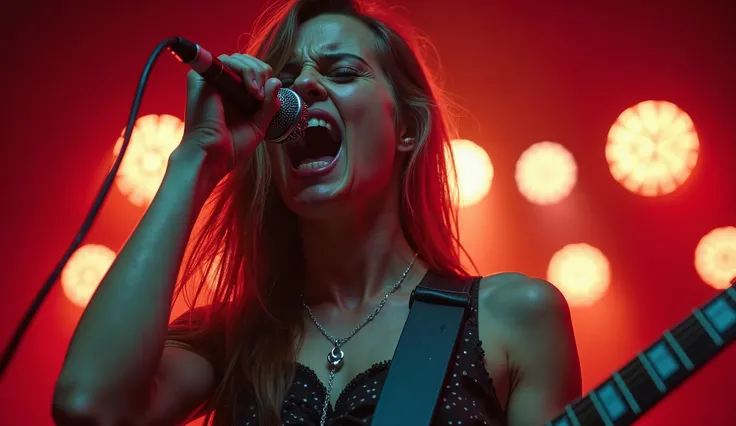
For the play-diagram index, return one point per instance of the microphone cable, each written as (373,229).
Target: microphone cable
(25,322)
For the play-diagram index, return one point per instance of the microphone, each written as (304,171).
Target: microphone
(289,123)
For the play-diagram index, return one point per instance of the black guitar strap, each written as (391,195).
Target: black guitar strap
(438,308)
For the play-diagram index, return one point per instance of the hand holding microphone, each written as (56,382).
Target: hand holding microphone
(234,103)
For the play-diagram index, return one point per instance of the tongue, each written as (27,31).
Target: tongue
(315,163)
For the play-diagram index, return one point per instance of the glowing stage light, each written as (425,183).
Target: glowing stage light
(153,139)
(715,257)
(474,172)
(581,272)
(652,148)
(546,173)
(84,271)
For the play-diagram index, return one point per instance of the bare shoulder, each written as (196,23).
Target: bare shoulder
(529,319)
(520,300)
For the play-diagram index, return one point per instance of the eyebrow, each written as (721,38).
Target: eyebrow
(331,57)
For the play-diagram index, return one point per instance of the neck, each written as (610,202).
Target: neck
(355,257)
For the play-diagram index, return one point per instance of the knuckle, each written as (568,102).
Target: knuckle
(193,79)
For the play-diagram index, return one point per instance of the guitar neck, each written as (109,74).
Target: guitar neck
(642,383)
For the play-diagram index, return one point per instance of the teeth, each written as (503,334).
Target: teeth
(313,165)
(315,122)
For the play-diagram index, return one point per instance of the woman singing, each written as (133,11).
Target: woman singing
(308,245)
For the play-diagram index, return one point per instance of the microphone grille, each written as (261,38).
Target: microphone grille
(290,122)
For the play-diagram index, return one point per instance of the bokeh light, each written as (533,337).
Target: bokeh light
(715,257)
(474,172)
(652,148)
(153,139)
(84,271)
(546,173)
(581,272)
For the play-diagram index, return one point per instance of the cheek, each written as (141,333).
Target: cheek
(374,132)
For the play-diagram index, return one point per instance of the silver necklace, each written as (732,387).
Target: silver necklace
(336,356)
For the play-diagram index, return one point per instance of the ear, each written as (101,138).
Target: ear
(406,144)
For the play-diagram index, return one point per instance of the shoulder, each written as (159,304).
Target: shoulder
(519,300)
(530,319)
(527,323)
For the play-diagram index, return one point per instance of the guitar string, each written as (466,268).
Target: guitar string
(689,333)
(588,412)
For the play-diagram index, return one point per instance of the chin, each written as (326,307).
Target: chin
(322,201)
(320,196)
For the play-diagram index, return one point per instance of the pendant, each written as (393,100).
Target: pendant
(335,357)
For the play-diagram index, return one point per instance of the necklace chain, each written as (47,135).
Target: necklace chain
(336,355)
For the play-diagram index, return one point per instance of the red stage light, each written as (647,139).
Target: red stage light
(652,148)
(581,272)
(84,271)
(153,139)
(474,172)
(546,173)
(715,257)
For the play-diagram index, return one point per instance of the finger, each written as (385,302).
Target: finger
(247,73)
(200,98)
(262,70)
(271,104)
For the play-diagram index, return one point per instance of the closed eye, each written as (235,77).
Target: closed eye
(340,75)
(344,75)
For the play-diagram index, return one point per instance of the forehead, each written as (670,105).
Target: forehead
(333,33)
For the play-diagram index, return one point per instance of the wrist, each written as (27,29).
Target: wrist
(188,166)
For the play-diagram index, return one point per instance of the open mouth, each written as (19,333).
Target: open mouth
(320,147)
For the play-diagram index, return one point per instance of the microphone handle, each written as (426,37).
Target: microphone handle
(226,81)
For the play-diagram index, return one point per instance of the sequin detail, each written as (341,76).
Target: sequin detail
(469,397)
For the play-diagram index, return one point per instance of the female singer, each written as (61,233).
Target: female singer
(309,246)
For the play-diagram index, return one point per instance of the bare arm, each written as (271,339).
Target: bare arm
(116,370)
(542,353)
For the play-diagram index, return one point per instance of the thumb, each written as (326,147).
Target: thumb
(271,105)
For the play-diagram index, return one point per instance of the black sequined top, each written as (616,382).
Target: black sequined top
(469,397)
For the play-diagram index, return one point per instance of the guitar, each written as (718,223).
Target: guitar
(656,371)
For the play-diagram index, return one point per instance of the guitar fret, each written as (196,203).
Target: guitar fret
(599,408)
(659,369)
(696,341)
(679,351)
(640,384)
(721,314)
(612,404)
(587,413)
(732,292)
(688,331)
(571,415)
(652,373)
(708,328)
(626,393)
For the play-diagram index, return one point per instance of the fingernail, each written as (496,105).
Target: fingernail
(262,92)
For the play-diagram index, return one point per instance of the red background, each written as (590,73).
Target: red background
(526,71)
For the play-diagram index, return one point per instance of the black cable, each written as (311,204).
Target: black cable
(20,331)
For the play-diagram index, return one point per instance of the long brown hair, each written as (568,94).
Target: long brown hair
(246,259)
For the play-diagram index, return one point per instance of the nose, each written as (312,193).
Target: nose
(309,87)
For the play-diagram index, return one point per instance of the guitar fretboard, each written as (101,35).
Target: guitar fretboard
(659,369)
